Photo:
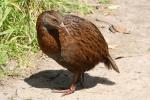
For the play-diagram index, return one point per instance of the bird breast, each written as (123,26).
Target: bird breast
(49,42)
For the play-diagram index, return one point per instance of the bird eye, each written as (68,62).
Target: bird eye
(55,20)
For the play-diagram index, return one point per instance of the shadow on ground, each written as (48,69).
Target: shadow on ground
(60,79)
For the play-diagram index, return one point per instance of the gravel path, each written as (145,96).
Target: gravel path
(100,84)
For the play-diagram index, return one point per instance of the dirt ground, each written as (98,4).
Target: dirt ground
(133,83)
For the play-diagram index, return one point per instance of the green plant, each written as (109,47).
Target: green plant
(104,1)
(15,33)
(17,26)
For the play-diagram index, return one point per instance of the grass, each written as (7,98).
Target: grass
(104,1)
(17,27)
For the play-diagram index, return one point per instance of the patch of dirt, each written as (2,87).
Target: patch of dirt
(131,84)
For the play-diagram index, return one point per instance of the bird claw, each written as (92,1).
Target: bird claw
(65,92)
(59,91)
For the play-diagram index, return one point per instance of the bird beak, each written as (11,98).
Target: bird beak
(62,25)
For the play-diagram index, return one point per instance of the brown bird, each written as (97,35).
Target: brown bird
(73,42)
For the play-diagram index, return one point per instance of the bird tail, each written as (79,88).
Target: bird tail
(110,64)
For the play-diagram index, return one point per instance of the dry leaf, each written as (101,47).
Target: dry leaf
(111,28)
(118,28)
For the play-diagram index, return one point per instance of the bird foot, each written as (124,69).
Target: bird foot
(82,84)
(65,92)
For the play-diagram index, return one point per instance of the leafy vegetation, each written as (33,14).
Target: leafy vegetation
(104,1)
(17,26)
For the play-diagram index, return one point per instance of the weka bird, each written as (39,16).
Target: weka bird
(73,42)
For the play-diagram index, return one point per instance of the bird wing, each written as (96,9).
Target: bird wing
(84,43)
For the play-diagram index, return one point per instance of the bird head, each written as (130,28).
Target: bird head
(53,19)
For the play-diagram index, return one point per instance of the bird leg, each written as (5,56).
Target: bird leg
(72,88)
(82,80)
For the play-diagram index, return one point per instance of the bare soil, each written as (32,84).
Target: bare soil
(133,83)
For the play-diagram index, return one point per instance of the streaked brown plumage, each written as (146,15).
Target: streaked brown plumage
(73,42)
